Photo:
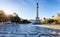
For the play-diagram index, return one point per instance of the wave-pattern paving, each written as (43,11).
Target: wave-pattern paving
(27,30)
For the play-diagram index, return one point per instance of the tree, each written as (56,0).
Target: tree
(15,19)
(2,15)
(50,21)
(44,21)
(25,21)
(44,18)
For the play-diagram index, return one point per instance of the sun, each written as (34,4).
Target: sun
(8,12)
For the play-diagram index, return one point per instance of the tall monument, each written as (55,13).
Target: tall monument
(37,16)
(37,21)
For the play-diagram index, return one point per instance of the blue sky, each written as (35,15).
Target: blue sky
(27,8)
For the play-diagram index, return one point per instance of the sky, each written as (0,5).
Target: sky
(26,9)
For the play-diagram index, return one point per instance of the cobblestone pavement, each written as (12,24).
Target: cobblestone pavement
(29,30)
